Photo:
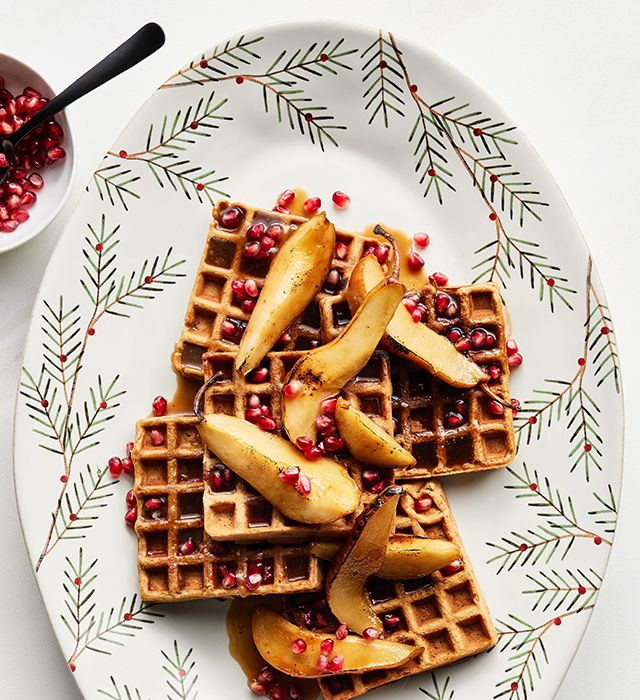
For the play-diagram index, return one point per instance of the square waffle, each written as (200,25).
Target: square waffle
(212,301)
(173,472)
(420,403)
(236,511)
(445,614)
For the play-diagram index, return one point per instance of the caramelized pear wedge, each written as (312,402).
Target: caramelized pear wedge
(260,458)
(360,558)
(407,556)
(324,371)
(274,636)
(367,441)
(414,341)
(294,278)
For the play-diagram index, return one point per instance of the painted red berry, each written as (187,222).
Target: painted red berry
(308,116)
(582,590)
(557,621)
(582,362)
(99,247)
(91,330)
(122,153)
(597,539)
(240,80)
(73,517)
(77,581)
(550,282)
(200,186)
(64,478)
(514,686)
(44,403)
(413,88)
(103,405)
(533,486)
(605,330)
(203,63)
(493,216)
(128,617)
(587,447)
(523,547)
(533,420)
(148,279)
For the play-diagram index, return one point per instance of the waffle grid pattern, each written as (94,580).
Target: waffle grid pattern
(420,402)
(446,615)
(173,472)
(212,301)
(241,514)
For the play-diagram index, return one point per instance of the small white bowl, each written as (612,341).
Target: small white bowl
(58,177)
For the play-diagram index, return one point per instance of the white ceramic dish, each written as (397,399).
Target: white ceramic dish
(58,177)
(539,534)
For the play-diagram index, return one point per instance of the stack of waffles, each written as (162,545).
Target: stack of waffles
(213,530)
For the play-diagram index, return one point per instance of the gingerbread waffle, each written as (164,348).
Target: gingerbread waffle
(212,300)
(445,613)
(420,403)
(235,511)
(172,473)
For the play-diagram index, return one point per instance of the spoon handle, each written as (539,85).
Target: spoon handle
(143,43)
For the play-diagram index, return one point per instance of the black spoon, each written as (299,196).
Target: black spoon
(143,43)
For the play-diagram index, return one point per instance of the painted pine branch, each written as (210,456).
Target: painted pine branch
(115,692)
(505,187)
(524,642)
(186,126)
(78,595)
(292,106)
(131,291)
(99,253)
(79,509)
(544,411)
(565,591)
(585,440)
(601,342)
(42,398)
(468,125)
(606,511)
(317,60)
(382,79)
(438,692)
(182,678)
(114,183)
(62,342)
(505,254)
(222,60)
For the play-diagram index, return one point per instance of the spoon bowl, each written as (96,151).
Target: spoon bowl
(58,176)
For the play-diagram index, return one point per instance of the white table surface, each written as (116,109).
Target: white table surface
(567,72)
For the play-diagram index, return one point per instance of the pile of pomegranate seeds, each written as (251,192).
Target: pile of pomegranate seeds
(259,414)
(375,480)
(223,479)
(274,685)
(514,357)
(232,329)
(245,294)
(261,240)
(415,307)
(37,150)
(446,305)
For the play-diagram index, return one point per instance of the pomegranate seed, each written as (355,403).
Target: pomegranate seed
(253,582)
(251,250)
(298,646)
(442,302)
(419,313)
(453,568)
(495,408)
(127,466)
(13,188)
(187,547)
(232,217)
(129,449)
(285,198)
(131,516)
(341,200)
(259,375)
(55,153)
(130,498)
(342,632)
(275,231)
(8,226)
(266,423)
(332,282)
(28,199)
(478,338)
(453,419)
(411,302)
(304,485)
(255,232)
(463,345)
(313,453)
(266,675)
(159,406)
(229,581)
(326,646)
(304,442)
(324,422)
(311,205)
(515,407)
(415,262)
(153,504)
(370,477)
(4,161)
(323,663)
(342,250)
(421,239)
(512,347)
(491,340)
(370,634)
(423,504)
(455,334)
(382,254)
(248,305)
(391,622)
(336,663)
(329,405)
(290,475)
(13,202)
(293,389)
(251,288)
(115,467)
(156,438)
(266,243)
(515,360)
(494,372)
